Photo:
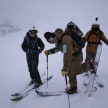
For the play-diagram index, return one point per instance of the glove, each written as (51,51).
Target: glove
(63,73)
(46,52)
(33,52)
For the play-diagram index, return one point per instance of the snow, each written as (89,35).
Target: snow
(48,15)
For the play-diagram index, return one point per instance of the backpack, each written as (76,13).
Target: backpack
(77,37)
(100,36)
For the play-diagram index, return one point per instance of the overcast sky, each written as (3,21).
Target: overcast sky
(58,8)
(30,12)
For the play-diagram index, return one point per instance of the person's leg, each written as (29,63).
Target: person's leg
(30,66)
(36,71)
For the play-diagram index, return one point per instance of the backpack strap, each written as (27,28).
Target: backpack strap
(63,36)
(90,34)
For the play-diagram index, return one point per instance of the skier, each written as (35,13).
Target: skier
(72,61)
(93,38)
(32,45)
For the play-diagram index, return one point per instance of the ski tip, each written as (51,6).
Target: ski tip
(85,84)
(13,100)
(16,99)
(37,91)
(16,94)
(101,85)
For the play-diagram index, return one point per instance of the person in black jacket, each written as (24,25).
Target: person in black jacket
(32,45)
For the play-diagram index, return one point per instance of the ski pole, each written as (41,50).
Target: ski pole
(47,69)
(67,89)
(66,83)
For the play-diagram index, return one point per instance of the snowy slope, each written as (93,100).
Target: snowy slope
(14,73)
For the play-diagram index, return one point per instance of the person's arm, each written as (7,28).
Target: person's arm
(24,45)
(67,41)
(41,45)
(104,39)
(51,51)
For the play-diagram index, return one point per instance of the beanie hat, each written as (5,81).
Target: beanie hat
(33,29)
(58,33)
(96,22)
(96,25)
(48,35)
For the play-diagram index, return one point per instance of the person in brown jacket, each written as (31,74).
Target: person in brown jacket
(72,61)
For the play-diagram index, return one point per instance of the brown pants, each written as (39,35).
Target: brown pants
(76,68)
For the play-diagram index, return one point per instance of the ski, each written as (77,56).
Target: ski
(92,80)
(48,93)
(51,93)
(90,87)
(28,86)
(20,97)
(97,81)
(26,93)
(86,79)
(23,90)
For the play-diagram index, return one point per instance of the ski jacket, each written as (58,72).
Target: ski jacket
(93,40)
(69,53)
(32,44)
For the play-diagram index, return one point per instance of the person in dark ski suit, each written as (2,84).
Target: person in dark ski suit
(72,61)
(32,45)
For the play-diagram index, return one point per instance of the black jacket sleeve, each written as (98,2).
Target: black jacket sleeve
(24,45)
(41,45)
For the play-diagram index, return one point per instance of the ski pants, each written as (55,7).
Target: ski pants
(90,56)
(33,62)
(77,67)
